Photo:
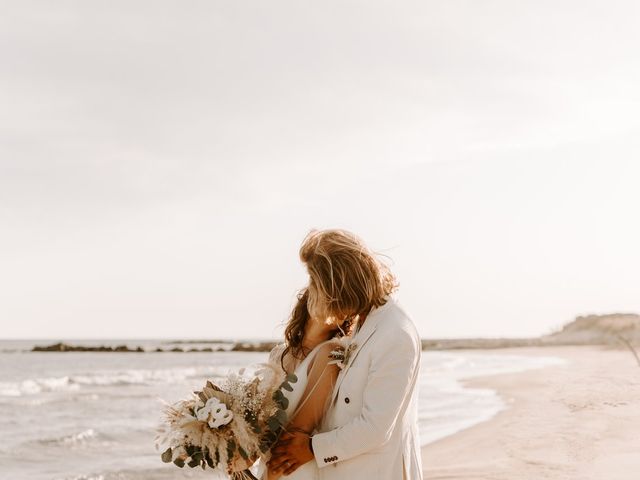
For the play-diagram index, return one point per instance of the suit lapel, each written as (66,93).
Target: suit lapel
(360,339)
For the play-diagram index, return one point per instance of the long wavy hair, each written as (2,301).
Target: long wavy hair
(349,279)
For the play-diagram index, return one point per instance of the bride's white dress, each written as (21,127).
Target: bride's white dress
(308,471)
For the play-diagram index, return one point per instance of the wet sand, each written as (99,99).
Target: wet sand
(579,420)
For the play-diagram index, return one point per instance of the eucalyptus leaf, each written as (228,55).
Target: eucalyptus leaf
(167,455)
(198,456)
(179,462)
(273,423)
(280,398)
(287,386)
(292,378)
(281,416)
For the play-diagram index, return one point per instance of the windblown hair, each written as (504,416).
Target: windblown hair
(294,332)
(348,278)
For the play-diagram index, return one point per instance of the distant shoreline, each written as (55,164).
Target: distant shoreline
(267,346)
(621,330)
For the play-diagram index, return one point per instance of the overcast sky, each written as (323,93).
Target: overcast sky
(160,162)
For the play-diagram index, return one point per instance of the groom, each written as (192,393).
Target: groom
(370,428)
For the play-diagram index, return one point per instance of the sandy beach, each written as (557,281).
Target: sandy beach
(579,420)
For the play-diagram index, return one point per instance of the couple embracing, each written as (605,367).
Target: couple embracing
(356,353)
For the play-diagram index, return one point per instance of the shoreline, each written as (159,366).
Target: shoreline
(575,420)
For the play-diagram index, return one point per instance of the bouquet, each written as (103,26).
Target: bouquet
(227,427)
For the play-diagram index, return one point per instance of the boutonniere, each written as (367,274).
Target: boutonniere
(341,355)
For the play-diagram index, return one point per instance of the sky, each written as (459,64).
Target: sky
(161,162)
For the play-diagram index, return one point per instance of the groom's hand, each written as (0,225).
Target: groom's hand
(291,451)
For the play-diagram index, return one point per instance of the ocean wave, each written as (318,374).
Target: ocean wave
(446,365)
(68,383)
(85,477)
(80,439)
(35,401)
(36,385)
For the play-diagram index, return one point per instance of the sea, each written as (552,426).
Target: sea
(94,415)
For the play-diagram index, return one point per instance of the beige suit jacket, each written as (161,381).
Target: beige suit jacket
(371,428)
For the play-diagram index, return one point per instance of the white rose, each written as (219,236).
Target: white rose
(215,413)
(202,412)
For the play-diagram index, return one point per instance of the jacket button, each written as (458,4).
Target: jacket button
(346,400)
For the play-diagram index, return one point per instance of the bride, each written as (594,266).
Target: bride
(311,335)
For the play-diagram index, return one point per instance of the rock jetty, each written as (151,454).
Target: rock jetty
(234,347)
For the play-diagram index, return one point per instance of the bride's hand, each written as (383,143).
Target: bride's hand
(291,452)
(272,475)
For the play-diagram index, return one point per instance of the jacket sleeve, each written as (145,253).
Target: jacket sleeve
(392,377)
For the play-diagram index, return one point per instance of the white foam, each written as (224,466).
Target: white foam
(79,438)
(37,385)
(106,378)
